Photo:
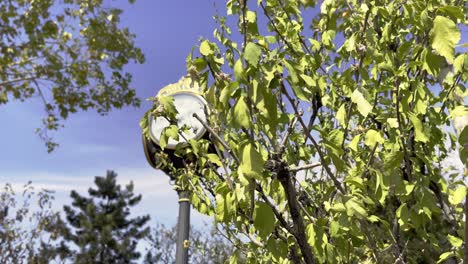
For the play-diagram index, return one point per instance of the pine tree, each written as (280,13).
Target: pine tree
(99,225)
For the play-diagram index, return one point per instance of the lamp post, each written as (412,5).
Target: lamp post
(187,101)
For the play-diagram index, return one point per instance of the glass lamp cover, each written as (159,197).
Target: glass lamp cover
(186,104)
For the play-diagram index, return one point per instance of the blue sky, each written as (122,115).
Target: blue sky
(91,144)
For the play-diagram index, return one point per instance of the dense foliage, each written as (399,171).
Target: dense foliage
(331,121)
(69,53)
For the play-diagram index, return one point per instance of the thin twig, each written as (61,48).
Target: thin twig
(276,211)
(276,29)
(17,80)
(254,240)
(214,134)
(286,136)
(244,22)
(305,167)
(317,147)
(449,92)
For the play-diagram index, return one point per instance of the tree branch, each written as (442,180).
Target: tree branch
(299,230)
(276,29)
(220,140)
(304,167)
(317,147)
(17,80)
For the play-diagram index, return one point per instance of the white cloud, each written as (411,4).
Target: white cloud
(158,197)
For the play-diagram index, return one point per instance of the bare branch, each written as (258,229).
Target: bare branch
(286,136)
(305,167)
(16,80)
(254,240)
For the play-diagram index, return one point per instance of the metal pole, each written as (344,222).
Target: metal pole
(183,228)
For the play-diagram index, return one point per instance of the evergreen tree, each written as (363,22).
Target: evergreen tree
(99,225)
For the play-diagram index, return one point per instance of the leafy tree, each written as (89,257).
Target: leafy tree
(205,247)
(99,225)
(27,223)
(331,125)
(70,53)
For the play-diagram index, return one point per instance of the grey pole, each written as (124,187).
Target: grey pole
(183,228)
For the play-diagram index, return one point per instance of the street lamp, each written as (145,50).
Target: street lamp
(188,102)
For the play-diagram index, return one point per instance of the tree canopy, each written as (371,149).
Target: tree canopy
(332,120)
(69,53)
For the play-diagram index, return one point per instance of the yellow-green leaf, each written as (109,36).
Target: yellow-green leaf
(392,122)
(418,128)
(373,137)
(241,113)
(239,70)
(363,106)
(308,80)
(354,143)
(458,195)
(444,36)
(252,54)
(341,115)
(445,256)
(205,48)
(251,161)
(354,207)
(455,241)
(264,219)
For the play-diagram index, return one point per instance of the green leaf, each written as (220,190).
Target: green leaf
(354,143)
(363,106)
(459,63)
(392,122)
(310,82)
(418,128)
(221,210)
(444,36)
(403,214)
(291,71)
(171,131)
(169,109)
(458,195)
(264,219)
(432,62)
(453,11)
(205,48)
(241,113)
(463,140)
(445,256)
(455,241)
(252,54)
(373,137)
(251,161)
(341,115)
(213,158)
(355,208)
(239,70)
